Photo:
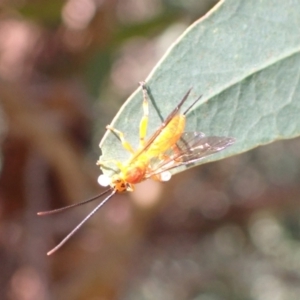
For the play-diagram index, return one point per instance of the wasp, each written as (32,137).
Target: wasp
(169,147)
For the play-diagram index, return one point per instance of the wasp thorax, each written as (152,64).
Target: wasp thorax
(135,174)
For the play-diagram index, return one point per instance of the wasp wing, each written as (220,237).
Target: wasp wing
(192,147)
(200,146)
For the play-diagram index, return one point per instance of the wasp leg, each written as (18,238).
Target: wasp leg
(145,118)
(120,134)
(176,153)
(165,161)
(163,156)
(172,156)
(105,164)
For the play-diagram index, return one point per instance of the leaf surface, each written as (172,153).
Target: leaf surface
(243,57)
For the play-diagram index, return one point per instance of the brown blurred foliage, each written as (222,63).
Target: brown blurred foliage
(227,230)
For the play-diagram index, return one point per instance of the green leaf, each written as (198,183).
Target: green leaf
(243,57)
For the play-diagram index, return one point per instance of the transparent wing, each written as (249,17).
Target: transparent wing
(200,146)
(192,147)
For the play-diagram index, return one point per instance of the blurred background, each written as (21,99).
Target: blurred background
(225,230)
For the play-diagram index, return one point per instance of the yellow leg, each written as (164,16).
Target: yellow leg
(120,134)
(105,164)
(144,120)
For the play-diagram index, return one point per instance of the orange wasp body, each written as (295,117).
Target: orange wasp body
(168,148)
(141,165)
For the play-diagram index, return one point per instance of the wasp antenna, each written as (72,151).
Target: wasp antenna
(187,110)
(80,224)
(58,210)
